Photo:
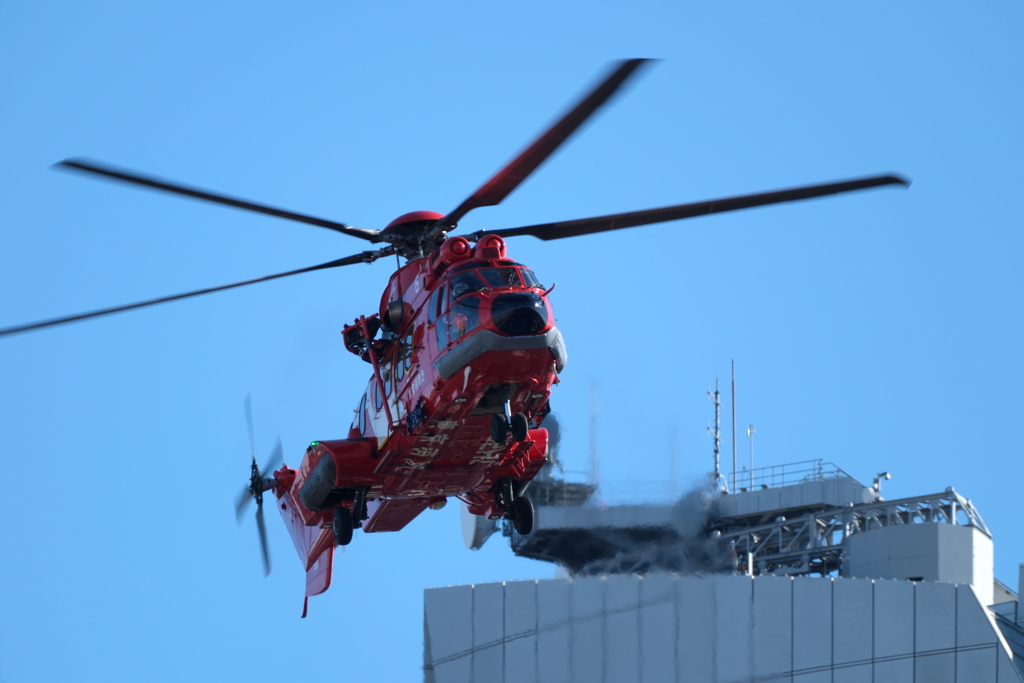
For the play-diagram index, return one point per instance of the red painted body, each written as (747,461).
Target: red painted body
(474,329)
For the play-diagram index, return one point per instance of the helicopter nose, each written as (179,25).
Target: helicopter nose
(519,313)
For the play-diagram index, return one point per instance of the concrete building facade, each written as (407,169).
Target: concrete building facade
(714,629)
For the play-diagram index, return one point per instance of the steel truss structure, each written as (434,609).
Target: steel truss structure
(814,543)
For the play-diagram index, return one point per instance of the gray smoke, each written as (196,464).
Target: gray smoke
(685,546)
(554,428)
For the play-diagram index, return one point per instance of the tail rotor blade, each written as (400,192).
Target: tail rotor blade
(263,539)
(276,458)
(242,503)
(258,483)
(248,422)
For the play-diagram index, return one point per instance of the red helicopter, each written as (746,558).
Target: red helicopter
(464,353)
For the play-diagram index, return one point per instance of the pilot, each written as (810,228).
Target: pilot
(458,322)
(464,283)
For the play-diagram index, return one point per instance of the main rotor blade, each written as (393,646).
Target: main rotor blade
(586,226)
(196,193)
(263,540)
(364,257)
(507,179)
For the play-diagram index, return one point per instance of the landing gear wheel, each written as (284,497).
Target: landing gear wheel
(341,525)
(499,428)
(523,521)
(520,427)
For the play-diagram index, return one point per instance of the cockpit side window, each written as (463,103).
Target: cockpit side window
(529,278)
(403,349)
(435,304)
(500,277)
(464,317)
(409,349)
(442,333)
(362,416)
(442,300)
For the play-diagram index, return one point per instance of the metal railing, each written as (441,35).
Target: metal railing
(785,475)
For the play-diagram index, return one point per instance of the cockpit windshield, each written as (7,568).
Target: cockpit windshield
(500,277)
(465,282)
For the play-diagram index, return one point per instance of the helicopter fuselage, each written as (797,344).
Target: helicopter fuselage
(468,339)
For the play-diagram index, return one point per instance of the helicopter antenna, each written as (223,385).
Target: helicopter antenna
(734,423)
(717,434)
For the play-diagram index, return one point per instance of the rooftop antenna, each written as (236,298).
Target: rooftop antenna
(673,449)
(717,434)
(734,423)
(595,462)
(750,436)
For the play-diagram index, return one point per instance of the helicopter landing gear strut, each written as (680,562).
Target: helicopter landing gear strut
(501,425)
(344,522)
(499,428)
(508,494)
(359,506)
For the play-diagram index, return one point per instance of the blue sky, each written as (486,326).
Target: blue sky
(879,330)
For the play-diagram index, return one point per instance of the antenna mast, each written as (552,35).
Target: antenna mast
(733,424)
(750,435)
(673,446)
(717,434)
(595,462)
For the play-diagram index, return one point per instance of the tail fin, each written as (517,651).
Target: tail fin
(318,577)
(314,544)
